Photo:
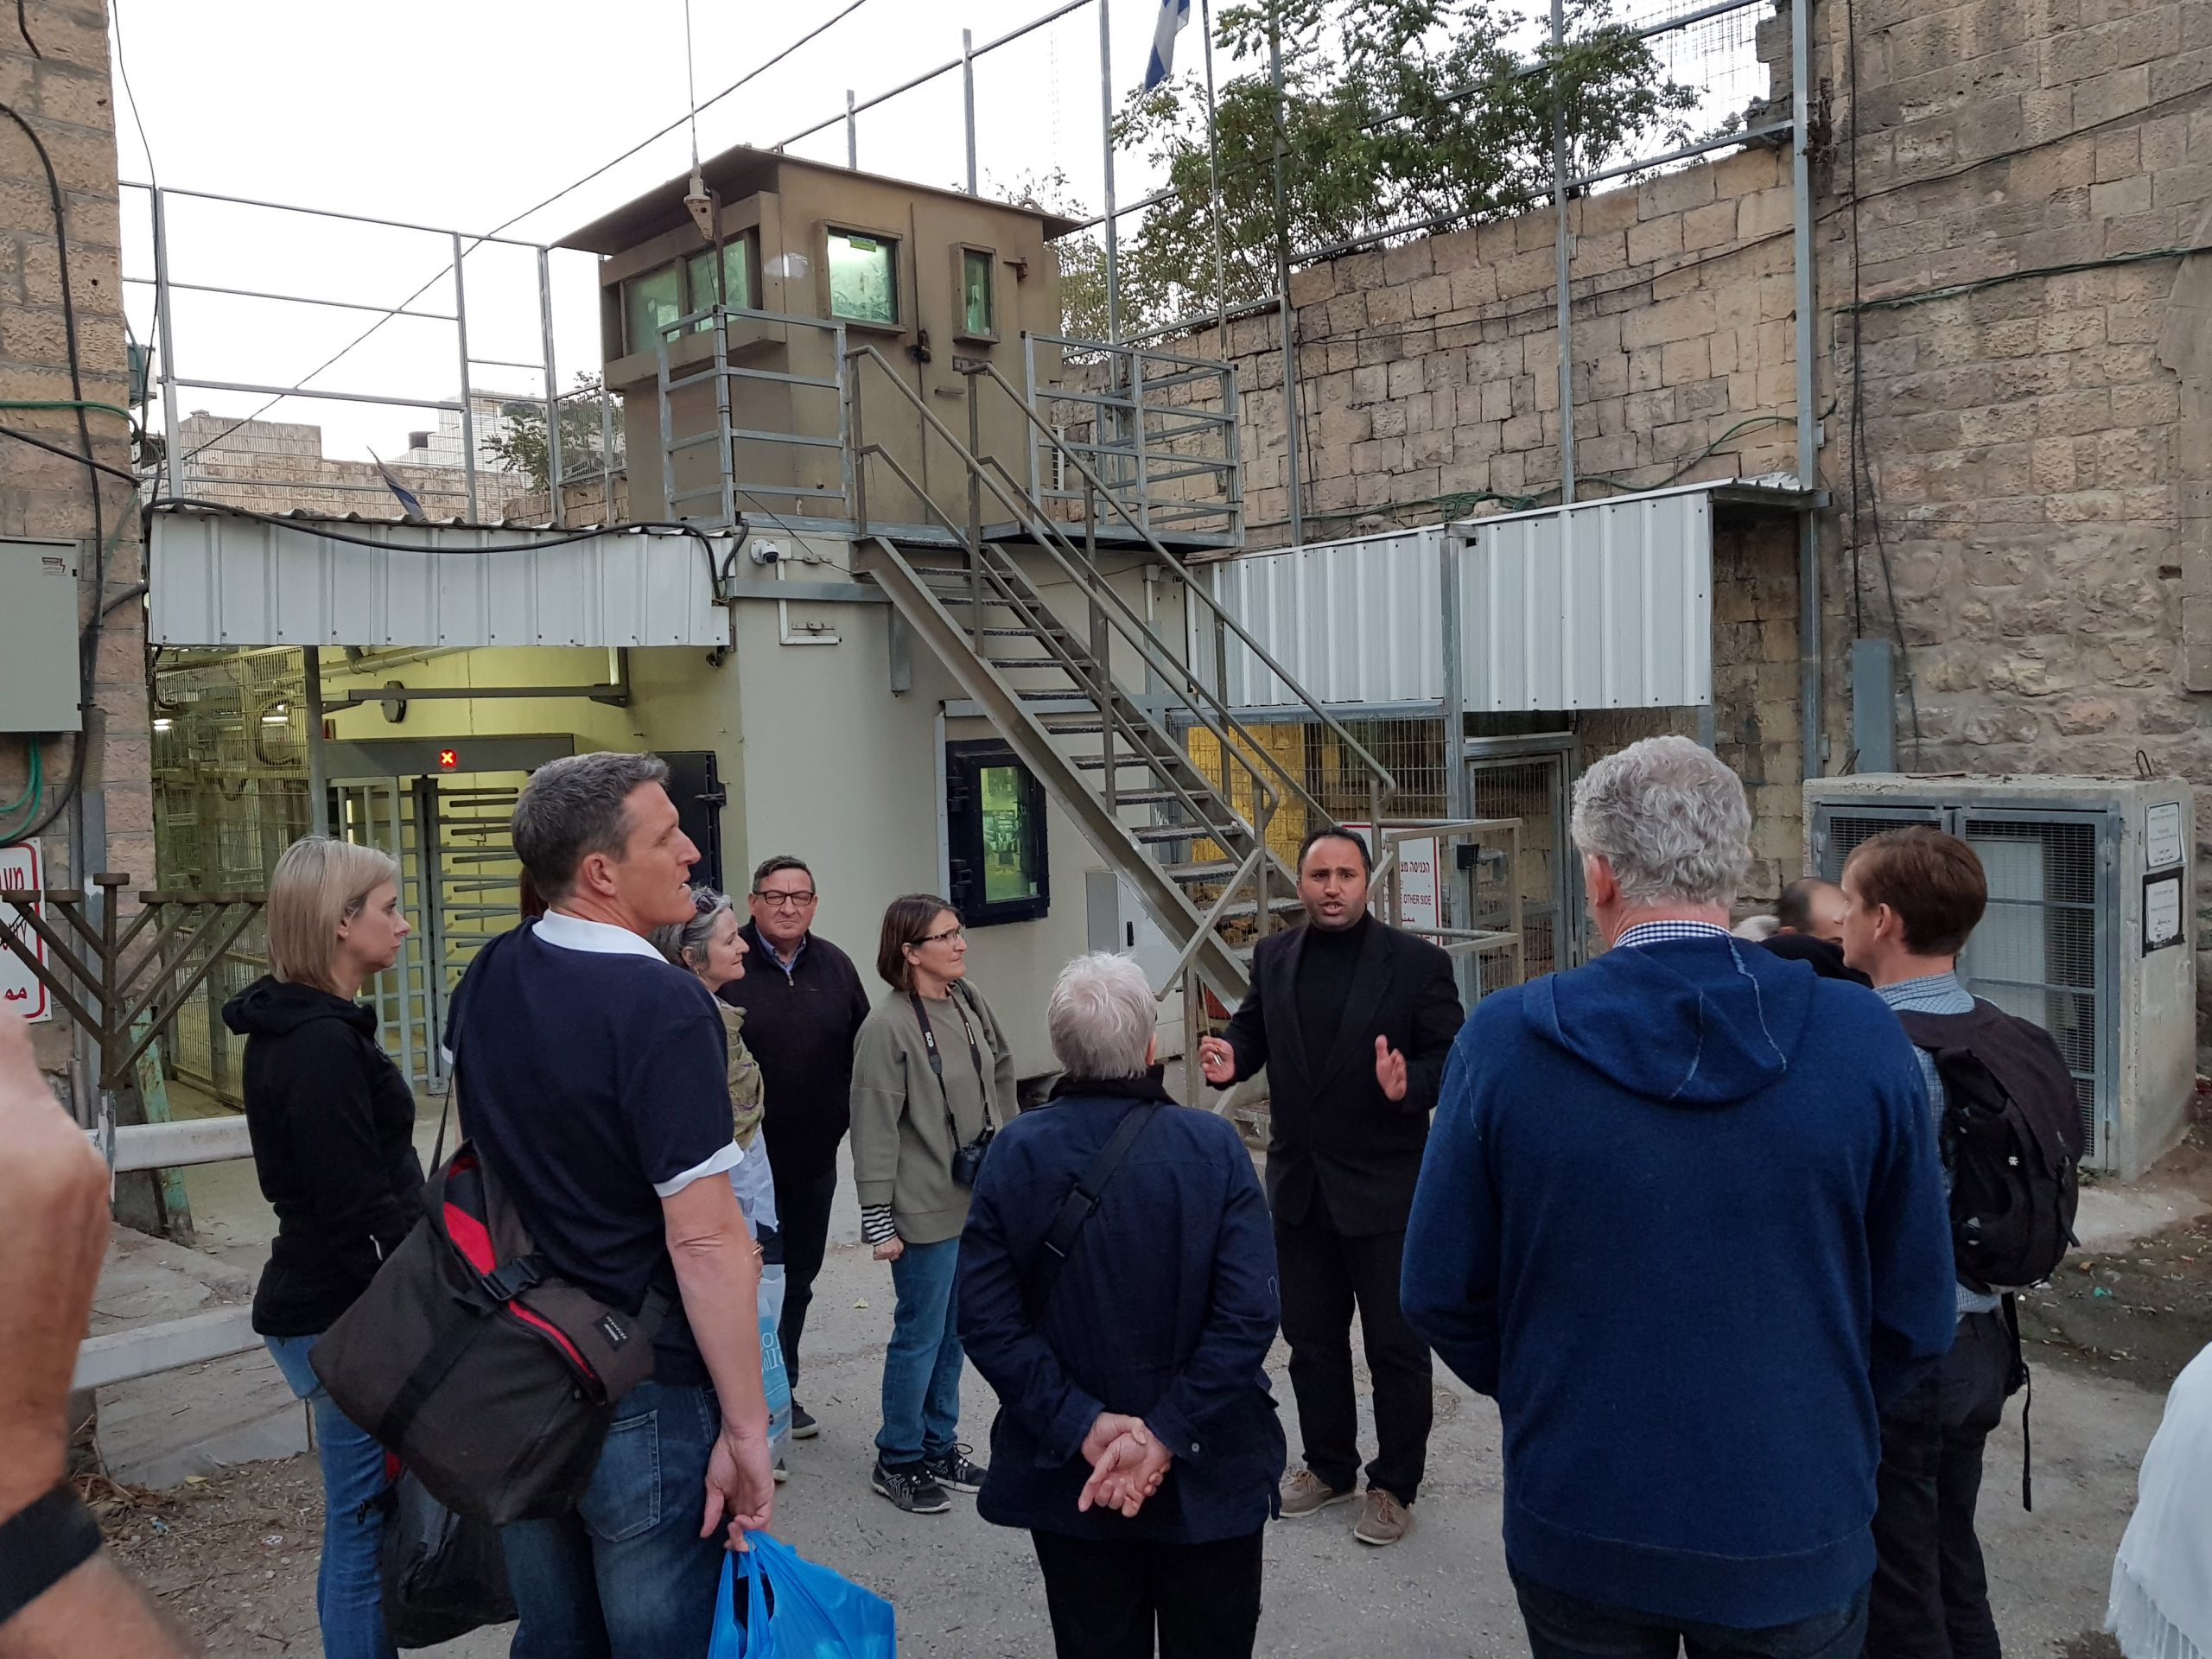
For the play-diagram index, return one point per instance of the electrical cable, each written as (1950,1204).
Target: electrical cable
(88,640)
(131,478)
(698,535)
(23,27)
(1862,464)
(567,189)
(1957,291)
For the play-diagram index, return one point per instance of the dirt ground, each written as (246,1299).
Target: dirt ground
(2139,1312)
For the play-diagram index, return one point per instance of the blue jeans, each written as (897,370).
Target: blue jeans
(627,1575)
(348,1591)
(921,1371)
(1561,1626)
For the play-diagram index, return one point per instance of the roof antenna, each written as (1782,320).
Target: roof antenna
(701,204)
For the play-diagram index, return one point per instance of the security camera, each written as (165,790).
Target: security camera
(765,553)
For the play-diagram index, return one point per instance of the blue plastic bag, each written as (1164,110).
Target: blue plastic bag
(775,1381)
(816,1614)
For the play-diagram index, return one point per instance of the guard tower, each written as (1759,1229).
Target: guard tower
(872,373)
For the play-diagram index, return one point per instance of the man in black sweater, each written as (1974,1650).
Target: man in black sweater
(804,1004)
(1354,1020)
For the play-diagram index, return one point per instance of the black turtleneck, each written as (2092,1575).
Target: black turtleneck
(1325,964)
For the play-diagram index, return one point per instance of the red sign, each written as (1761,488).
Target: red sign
(20,989)
(449,759)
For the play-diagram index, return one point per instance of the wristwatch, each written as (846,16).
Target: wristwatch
(42,1545)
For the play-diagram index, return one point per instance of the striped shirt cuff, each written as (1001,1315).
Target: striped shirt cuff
(876,1225)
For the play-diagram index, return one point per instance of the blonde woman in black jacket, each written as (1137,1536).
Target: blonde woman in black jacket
(333,1125)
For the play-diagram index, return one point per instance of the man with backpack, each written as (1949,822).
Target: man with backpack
(2010,1133)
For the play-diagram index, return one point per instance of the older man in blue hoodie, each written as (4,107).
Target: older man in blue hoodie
(1683,1216)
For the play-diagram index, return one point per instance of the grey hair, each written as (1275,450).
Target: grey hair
(1101,1016)
(680,941)
(573,807)
(1671,819)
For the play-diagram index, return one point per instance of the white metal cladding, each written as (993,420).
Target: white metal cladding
(220,579)
(1603,604)
(1351,622)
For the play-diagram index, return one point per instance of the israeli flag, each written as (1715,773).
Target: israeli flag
(1174,17)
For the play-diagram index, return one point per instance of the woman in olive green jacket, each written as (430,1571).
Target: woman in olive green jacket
(933,1082)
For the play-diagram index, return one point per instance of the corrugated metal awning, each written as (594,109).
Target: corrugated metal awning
(1605,604)
(221,578)
(1601,605)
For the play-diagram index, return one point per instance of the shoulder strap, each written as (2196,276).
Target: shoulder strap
(1081,1203)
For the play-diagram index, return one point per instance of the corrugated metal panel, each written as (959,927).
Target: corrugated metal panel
(1605,605)
(218,579)
(1352,622)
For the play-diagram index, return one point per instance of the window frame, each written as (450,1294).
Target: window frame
(648,347)
(965,762)
(961,252)
(747,244)
(891,243)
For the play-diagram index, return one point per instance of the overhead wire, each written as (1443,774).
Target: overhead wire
(690,115)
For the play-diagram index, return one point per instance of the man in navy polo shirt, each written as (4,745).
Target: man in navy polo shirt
(592,1079)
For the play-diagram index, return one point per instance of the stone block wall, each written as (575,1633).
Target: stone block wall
(61,93)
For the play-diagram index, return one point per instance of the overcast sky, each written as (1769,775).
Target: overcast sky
(460,114)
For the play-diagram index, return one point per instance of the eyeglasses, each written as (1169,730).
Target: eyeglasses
(784,900)
(939,938)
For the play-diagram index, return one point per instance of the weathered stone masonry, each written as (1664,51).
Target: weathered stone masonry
(2039,446)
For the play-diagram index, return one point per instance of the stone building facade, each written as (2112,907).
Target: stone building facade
(2012,229)
(60,93)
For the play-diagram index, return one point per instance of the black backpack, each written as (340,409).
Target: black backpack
(2012,1136)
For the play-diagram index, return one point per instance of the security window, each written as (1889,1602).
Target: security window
(995,820)
(737,277)
(863,278)
(978,305)
(649,303)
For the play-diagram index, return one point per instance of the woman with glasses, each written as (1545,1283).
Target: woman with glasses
(933,1082)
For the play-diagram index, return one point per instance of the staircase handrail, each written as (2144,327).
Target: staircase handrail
(1201,699)
(1380,773)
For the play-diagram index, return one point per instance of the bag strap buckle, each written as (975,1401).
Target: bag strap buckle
(510,1279)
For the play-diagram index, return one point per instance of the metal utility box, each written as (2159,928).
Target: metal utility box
(2090,929)
(38,674)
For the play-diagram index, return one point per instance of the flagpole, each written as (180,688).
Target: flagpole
(1213,175)
(1106,106)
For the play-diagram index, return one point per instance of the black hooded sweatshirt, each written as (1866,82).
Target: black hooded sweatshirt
(333,1125)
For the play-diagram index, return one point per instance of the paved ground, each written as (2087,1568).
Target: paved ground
(231,1554)
(965,1588)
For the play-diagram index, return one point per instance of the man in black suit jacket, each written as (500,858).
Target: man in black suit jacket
(1354,1020)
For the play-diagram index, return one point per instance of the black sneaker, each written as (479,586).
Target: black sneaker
(910,1488)
(804,1427)
(954,1469)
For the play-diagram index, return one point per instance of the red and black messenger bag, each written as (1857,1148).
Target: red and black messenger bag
(488,1375)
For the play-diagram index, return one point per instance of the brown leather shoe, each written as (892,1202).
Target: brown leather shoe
(1306,1493)
(1383,1520)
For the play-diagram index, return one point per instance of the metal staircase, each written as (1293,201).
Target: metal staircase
(1086,691)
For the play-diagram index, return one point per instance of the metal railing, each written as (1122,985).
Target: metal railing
(730,492)
(1160,430)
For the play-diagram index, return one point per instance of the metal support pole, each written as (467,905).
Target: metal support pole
(174,462)
(1283,312)
(967,98)
(1106,115)
(467,414)
(552,389)
(1213,184)
(976,515)
(1810,718)
(1564,241)
(852,133)
(318,782)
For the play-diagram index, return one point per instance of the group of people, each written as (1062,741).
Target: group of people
(1682,1212)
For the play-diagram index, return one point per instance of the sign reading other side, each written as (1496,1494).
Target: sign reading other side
(20,990)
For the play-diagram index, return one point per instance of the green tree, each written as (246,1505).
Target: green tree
(520,441)
(1395,111)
